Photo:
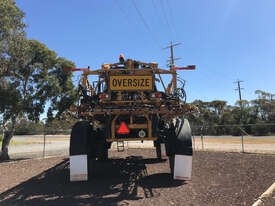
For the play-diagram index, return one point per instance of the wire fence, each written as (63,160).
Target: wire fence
(253,138)
(56,136)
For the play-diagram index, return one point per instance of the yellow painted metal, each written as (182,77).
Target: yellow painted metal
(127,82)
(131,119)
(184,109)
(131,139)
(114,126)
(135,71)
(84,81)
(149,125)
(162,82)
(135,126)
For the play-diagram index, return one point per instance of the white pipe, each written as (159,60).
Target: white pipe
(266,194)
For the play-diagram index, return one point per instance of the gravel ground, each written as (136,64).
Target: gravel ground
(134,177)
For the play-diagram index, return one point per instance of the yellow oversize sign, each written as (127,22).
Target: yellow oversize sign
(131,83)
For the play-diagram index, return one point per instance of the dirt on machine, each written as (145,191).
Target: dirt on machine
(130,101)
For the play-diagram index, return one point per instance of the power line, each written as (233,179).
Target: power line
(165,16)
(141,17)
(171,17)
(122,10)
(160,16)
(143,21)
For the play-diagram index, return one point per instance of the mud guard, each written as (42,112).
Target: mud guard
(180,150)
(80,134)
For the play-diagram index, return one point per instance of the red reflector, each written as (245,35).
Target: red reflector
(123,129)
(190,67)
(76,69)
(102,96)
(158,95)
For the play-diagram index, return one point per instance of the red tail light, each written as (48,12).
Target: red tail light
(157,95)
(123,129)
(103,96)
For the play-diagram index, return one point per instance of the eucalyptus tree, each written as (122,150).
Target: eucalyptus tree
(36,78)
(31,75)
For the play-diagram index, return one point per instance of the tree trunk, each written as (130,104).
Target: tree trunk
(8,134)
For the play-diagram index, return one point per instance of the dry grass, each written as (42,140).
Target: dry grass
(247,140)
(48,138)
(221,140)
(21,143)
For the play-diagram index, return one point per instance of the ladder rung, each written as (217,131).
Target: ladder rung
(120,146)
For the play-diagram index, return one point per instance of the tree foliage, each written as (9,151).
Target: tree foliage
(216,117)
(31,75)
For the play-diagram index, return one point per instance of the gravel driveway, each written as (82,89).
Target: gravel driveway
(134,177)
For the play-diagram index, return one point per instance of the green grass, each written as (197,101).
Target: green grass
(20,143)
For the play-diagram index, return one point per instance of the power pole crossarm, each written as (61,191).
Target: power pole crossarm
(172,59)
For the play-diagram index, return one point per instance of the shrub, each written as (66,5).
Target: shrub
(260,130)
(236,131)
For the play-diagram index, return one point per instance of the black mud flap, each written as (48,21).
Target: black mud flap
(179,141)
(184,139)
(81,136)
(79,150)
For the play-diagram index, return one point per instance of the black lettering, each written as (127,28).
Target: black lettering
(119,82)
(135,83)
(147,82)
(114,82)
(142,82)
(124,82)
(129,82)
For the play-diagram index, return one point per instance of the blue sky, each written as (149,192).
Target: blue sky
(227,40)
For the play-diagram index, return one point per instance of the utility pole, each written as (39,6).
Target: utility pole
(172,59)
(239,89)
(241,107)
(172,65)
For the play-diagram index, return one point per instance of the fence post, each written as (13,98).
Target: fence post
(242,144)
(202,146)
(44,143)
(194,143)
(242,139)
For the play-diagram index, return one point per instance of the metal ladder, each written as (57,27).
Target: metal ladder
(120,146)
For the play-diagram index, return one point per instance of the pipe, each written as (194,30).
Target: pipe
(265,195)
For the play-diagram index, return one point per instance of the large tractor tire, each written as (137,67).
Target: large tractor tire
(102,151)
(84,140)
(179,141)
(156,133)
(158,149)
